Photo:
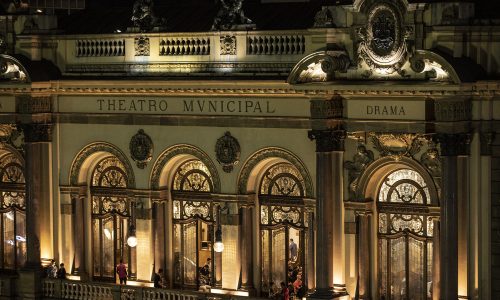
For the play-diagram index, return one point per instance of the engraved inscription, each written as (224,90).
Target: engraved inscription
(385,110)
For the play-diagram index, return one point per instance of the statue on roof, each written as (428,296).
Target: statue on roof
(144,17)
(231,16)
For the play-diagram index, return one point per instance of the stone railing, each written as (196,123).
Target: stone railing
(66,289)
(276,44)
(184,46)
(100,47)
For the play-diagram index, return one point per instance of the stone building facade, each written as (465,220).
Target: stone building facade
(358,153)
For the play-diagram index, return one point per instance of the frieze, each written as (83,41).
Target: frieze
(328,140)
(227,151)
(141,148)
(397,145)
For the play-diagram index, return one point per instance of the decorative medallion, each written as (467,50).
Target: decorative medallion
(228,45)
(383,39)
(227,151)
(397,145)
(141,46)
(141,149)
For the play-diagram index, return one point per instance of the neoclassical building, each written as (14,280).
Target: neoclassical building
(352,147)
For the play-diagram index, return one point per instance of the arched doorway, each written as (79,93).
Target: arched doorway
(405,233)
(283,226)
(12,212)
(193,224)
(111,217)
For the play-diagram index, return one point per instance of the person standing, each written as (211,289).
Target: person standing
(158,282)
(285,294)
(61,273)
(121,270)
(293,250)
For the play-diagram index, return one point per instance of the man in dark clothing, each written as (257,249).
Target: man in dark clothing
(158,279)
(61,273)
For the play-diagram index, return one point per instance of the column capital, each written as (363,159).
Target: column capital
(328,140)
(37,132)
(486,140)
(454,144)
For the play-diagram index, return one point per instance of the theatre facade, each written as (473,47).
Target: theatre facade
(358,153)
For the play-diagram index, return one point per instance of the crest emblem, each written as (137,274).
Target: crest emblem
(227,151)
(383,46)
(141,149)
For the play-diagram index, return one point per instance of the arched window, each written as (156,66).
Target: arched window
(283,221)
(12,212)
(405,230)
(111,213)
(193,215)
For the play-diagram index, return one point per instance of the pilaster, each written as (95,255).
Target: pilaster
(246,249)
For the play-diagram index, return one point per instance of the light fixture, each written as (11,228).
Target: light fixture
(219,245)
(132,239)
(39,11)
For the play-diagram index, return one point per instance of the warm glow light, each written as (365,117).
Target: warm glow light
(132,241)
(218,246)
(229,292)
(10,215)
(107,233)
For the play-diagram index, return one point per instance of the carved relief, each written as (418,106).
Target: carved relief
(37,132)
(327,109)
(454,144)
(430,160)
(452,110)
(141,46)
(328,140)
(383,40)
(227,151)
(141,148)
(143,16)
(228,45)
(32,105)
(397,145)
(11,69)
(357,166)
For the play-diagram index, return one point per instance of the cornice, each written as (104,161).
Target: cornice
(209,88)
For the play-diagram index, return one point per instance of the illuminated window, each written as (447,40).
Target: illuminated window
(405,232)
(111,211)
(194,221)
(283,224)
(12,213)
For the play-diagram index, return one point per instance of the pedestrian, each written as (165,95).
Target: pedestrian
(274,291)
(52,269)
(158,279)
(121,270)
(292,247)
(61,273)
(285,294)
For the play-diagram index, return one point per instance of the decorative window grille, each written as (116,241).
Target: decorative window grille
(12,213)
(405,231)
(111,213)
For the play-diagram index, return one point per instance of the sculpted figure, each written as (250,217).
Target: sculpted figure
(143,16)
(230,14)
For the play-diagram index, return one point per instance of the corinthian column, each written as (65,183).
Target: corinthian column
(37,138)
(330,278)
(78,203)
(246,247)
(363,223)
(452,146)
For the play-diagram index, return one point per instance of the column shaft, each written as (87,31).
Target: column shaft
(159,238)
(364,288)
(436,264)
(79,236)
(310,271)
(246,247)
(449,229)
